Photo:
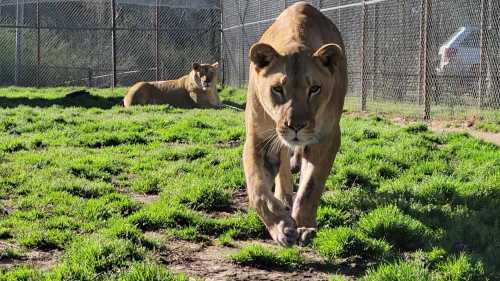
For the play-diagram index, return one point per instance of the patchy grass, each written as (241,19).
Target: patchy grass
(462,267)
(257,255)
(492,127)
(11,253)
(390,224)
(343,242)
(399,271)
(401,200)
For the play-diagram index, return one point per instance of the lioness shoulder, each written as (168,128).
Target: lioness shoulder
(196,89)
(296,90)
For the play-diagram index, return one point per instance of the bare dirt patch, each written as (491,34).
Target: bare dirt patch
(144,198)
(228,144)
(239,203)
(240,199)
(211,263)
(34,258)
(5,208)
(467,126)
(438,126)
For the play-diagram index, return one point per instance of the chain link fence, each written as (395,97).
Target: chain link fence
(102,43)
(422,57)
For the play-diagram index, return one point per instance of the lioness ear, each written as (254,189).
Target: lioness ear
(329,55)
(216,64)
(262,55)
(196,66)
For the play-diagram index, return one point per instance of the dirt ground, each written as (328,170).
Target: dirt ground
(35,258)
(210,262)
(467,126)
(441,126)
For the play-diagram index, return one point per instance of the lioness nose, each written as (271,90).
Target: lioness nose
(296,126)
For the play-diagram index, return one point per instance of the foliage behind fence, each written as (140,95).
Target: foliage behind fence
(60,42)
(393,49)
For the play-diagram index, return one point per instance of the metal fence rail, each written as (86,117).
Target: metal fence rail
(103,43)
(430,55)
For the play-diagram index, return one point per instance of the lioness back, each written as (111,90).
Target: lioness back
(161,92)
(196,89)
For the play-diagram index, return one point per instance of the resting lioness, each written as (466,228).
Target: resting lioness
(296,90)
(197,89)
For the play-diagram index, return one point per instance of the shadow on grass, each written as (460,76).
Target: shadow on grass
(70,100)
(234,104)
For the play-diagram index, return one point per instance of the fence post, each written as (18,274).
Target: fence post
(222,70)
(374,65)
(19,22)
(493,58)
(241,76)
(424,58)
(483,71)
(38,57)
(113,41)
(364,86)
(157,27)
(89,73)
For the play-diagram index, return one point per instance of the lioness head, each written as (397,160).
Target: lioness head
(296,89)
(205,75)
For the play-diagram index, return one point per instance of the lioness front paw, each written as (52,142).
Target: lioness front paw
(285,233)
(306,235)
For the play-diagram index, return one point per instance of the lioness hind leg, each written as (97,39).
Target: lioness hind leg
(283,182)
(260,174)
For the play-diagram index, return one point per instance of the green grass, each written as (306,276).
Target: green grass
(260,256)
(390,224)
(399,271)
(11,253)
(343,242)
(486,119)
(489,126)
(402,200)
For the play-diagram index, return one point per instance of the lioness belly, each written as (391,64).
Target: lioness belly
(144,93)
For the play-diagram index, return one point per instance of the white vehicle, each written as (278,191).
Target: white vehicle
(460,55)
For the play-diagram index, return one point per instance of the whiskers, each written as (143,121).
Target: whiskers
(271,142)
(310,138)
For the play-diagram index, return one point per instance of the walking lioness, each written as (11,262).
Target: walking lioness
(197,89)
(296,90)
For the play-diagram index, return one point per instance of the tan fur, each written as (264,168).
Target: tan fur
(185,92)
(287,115)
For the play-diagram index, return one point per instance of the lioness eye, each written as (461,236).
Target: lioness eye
(277,90)
(314,90)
